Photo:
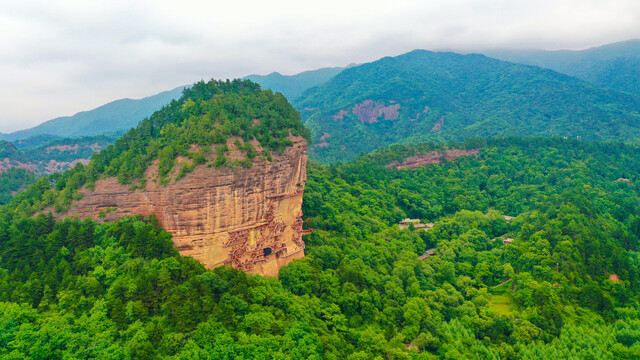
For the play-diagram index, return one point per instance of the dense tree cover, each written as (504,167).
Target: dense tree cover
(35,141)
(198,127)
(11,152)
(618,74)
(67,150)
(614,66)
(207,114)
(13,181)
(76,289)
(447,96)
(43,154)
(40,152)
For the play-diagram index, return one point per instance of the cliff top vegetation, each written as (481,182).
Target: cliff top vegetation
(196,127)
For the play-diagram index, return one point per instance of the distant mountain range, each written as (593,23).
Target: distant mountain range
(425,95)
(115,117)
(119,116)
(614,66)
(291,86)
(50,156)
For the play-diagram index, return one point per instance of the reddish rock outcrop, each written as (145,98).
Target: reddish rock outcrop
(438,125)
(62,148)
(340,115)
(74,148)
(323,141)
(250,219)
(6,164)
(434,157)
(56,166)
(369,111)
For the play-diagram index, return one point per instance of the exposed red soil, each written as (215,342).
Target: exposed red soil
(6,164)
(323,141)
(434,157)
(63,148)
(57,166)
(438,125)
(340,115)
(369,111)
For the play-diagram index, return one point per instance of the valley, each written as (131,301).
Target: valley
(431,205)
(361,276)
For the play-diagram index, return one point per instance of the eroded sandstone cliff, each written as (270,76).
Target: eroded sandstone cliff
(248,218)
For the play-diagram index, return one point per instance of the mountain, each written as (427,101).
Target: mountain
(115,117)
(119,116)
(22,162)
(11,157)
(615,66)
(291,86)
(35,140)
(425,95)
(222,169)
(62,154)
(53,156)
(532,254)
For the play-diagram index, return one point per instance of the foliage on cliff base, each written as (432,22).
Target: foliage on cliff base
(75,289)
(14,180)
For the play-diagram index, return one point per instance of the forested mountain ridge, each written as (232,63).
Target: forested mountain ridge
(9,152)
(179,137)
(119,289)
(23,161)
(17,171)
(425,95)
(52,156)
(532,252)
(62,154)
(615,66)
(223,168)
(291,86)
(112,118)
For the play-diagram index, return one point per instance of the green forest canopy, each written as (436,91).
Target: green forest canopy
(440,96)
(75,289)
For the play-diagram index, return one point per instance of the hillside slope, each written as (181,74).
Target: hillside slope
(570,277)
(52,156)
(291,86)
(614,66)
(223,169)
(426,95)
(116,116)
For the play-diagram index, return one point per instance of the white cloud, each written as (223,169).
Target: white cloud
(61,57)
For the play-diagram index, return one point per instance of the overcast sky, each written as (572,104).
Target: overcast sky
(61,57)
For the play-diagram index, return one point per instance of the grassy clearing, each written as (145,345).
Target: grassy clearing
(501,299)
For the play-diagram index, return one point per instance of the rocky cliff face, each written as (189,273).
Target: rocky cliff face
(250,219)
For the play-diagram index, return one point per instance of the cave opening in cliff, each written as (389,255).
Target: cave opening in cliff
(267,251)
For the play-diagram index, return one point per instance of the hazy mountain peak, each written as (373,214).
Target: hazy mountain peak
(116,116)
